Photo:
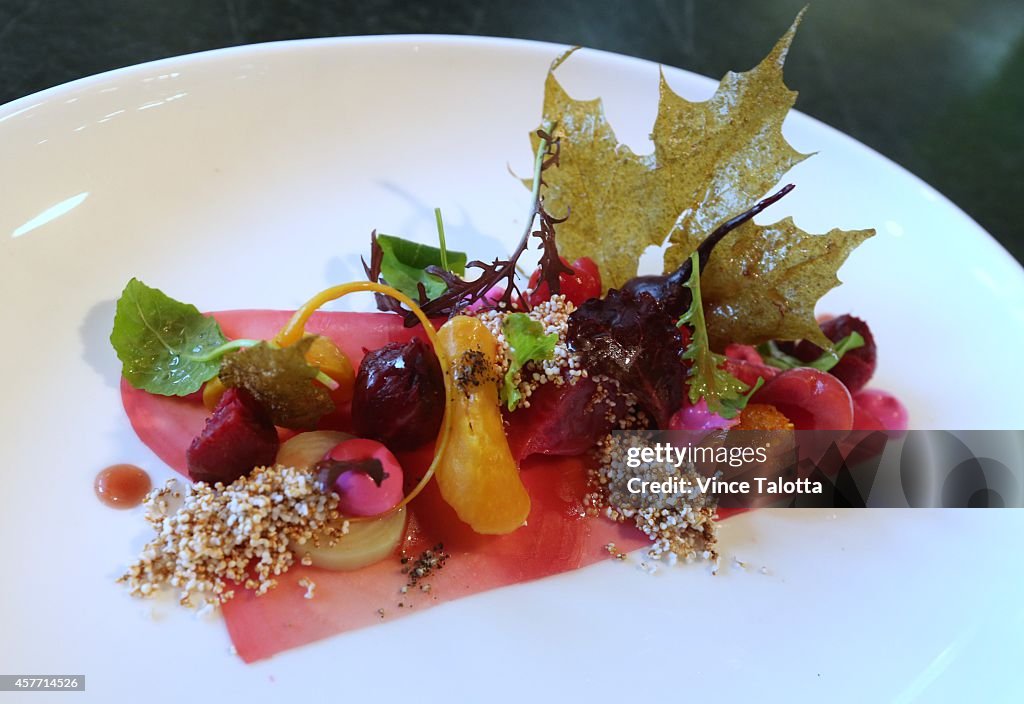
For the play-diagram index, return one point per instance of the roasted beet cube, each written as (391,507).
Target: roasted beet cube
(237,437)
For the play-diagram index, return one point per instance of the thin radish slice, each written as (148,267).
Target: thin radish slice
(558,536)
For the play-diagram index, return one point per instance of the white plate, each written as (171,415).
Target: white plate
(251,177)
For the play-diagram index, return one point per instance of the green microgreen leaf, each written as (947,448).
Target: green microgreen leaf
(165,346)
(829,358)
(440,239)
(724,394)
(403,263)
(527,342)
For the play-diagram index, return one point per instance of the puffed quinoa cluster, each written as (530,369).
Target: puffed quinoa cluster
(681,525)
(563,366)
(211,536)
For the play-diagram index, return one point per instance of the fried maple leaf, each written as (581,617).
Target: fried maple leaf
(764,281)
(615,203)
(711,161)
(281,380)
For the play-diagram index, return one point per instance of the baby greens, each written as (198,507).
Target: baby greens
(829,358)
(166,347)
(724,394)
(169,348)
(403,265)
(527,342)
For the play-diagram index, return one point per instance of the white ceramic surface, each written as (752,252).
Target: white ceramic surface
(251,177)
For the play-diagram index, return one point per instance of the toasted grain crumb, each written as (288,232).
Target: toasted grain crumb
(429,562)
(216,533)
(310,586)
(614,552)
(681,526)
(563,367)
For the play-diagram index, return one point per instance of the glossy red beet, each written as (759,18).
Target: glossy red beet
(864,418)
(583,284)
(236,438)
(879,410)
(749,372)
(811,399)
(399,394)
(744,353)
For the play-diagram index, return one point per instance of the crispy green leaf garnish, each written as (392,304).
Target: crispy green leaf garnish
(281,380)
(731,407)
(725,153)
(527,342)
(403,263)
(711,161)
(829,358)
(616,204)
(763,282)
(164,345)
(724,394)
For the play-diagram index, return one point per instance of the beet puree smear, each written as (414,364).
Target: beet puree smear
(558,536)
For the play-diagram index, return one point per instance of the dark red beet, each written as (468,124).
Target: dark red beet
(237,437)
(561,420)
(581,285)
(630,338)
(857,366)
(399,395)
(811,399)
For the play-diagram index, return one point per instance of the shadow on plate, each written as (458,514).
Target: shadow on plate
(95,335)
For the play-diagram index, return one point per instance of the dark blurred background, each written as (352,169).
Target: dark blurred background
(935,85)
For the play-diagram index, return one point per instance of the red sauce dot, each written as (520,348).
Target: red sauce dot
(122,485)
